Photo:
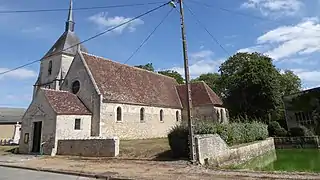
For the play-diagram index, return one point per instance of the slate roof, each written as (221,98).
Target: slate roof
(121,83)
(11,115)
(201,94)
(65,103)
(66,40)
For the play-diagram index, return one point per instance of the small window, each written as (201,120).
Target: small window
(177,116)
(77,124)
(119,114)
(50,68)
(222,114)
(142,115)
(161,115)
(75,87)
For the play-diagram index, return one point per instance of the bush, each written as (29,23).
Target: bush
(273,127)
(281,132)
(234,133)
(300,131)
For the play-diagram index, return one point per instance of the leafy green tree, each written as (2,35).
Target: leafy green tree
(290,83)
(173,74)
(213,80)
(251,85)
(148,67)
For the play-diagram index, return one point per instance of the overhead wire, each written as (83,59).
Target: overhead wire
(245,14)
(78,9)
(92,37)
(204,27)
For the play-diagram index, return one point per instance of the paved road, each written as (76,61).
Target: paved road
(20,174)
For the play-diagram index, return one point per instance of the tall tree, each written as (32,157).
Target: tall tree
(173,74)
(148,67)
(251,85)
(290,83)
(213,80)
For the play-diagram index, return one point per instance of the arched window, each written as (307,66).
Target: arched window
(161,115)
(142,115)
(119,114)
(50,68)
(177,116)
(75,87)
(218,115)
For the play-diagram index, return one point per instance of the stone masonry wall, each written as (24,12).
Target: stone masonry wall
(207,113)
(212,149)
(87,93)
(91,147)
(131,127)
(296,142)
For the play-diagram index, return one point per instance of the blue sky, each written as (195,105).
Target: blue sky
(290,34)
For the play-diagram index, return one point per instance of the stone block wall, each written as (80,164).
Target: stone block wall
(91,147)
(212,149)
(296,142)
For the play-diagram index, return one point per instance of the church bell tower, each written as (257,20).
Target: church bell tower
(56,62)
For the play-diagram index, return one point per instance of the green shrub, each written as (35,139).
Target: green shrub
(300,131)
(233,133)
(281,132)
(273,127)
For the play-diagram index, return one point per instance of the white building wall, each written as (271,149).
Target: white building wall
(131,127)
(65,128)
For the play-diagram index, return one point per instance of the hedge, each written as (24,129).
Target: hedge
(232,134)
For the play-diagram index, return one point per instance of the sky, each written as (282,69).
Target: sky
(286,30)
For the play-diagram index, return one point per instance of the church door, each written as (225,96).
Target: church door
(36,136)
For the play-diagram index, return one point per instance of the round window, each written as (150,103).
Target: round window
(75,87)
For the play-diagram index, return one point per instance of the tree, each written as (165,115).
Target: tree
(290,83)
(173,74)
(213,80)
(148,67)
(251,85)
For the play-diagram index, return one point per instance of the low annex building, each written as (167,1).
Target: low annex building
(81,96)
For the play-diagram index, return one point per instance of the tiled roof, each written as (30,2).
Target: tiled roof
(125,84)
(11,115)
(201,94)
(65,103)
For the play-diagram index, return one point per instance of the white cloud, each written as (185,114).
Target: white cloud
(18,74)
(276,8)
(201,62)
(287,41)
(307,75)
(32,30)
(104,22)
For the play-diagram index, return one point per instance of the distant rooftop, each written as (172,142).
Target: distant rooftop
(11,115)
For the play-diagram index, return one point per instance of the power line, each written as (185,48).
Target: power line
(201,24)
(93,37)
(149,36)
(77,9)
(245,14)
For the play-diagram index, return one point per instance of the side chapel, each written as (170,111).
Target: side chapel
(79,95)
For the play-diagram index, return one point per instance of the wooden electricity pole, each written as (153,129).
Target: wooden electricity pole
(188,89)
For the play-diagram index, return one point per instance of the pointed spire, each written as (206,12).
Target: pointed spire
(70,23)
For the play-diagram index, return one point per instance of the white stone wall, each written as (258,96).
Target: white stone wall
(65,128)
(87,93)
(39,110)
(131,127)
(208,113)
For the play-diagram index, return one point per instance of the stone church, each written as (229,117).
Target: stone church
(79,95)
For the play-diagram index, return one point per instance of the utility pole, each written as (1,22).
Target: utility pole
(188,89)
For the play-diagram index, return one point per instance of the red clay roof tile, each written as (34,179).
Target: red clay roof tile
(121,83)
(201,94)
(65,103)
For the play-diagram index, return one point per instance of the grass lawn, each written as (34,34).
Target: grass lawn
(6,149)
(146,149)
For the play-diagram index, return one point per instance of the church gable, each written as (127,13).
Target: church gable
(121,83)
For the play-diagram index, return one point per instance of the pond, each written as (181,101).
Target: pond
(302,160)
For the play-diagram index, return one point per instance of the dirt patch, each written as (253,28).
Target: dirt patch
(4,150)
